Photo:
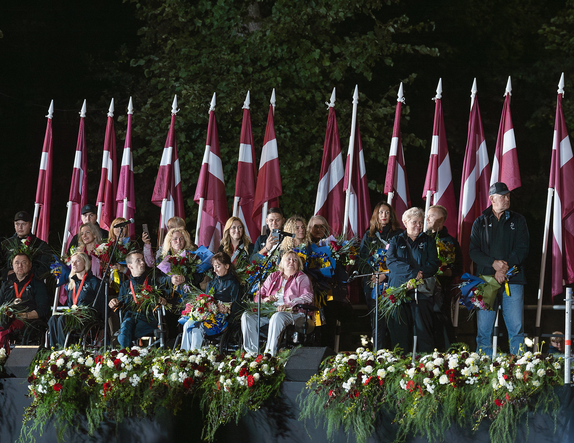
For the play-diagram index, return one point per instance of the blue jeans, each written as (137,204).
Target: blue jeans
(133,328)
(512,313)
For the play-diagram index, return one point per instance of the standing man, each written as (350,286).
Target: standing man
(89,214)
(449,270)
(38,250)
(499,240)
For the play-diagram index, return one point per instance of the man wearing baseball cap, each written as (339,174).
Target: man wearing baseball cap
(499,241)
(40,252)
(89,214)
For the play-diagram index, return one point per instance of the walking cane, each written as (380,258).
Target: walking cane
(415,338)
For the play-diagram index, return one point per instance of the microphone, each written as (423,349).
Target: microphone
(353,276)
(283,233)
(122,224)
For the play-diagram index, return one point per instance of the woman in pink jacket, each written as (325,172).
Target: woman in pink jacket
(284,288)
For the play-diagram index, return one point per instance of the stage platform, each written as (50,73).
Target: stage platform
(275,423)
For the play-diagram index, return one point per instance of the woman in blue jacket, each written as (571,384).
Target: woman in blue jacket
(413,254)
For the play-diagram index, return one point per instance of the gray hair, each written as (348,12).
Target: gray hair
(411,213)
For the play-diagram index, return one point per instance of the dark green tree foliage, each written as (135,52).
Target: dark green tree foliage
(303,49)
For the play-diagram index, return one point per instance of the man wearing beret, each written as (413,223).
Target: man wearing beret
(36,249)
(499,241)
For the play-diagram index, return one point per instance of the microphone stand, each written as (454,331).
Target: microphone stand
(260,281)
(106,289)
(373,274)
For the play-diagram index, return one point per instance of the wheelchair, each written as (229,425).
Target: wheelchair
(227,341)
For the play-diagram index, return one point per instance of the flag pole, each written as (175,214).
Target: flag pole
(266,204)
(438,96)
(130,112)
(236,199)
(37,205)
(549,201)
(350,159)
(205,160)
(104,161)
(400,98)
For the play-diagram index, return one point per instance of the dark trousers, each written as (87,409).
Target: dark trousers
(413,319)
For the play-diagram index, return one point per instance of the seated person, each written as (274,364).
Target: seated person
(285,288)
(300,240)
(556,344)
(81,291)
(28,295)
(138,324)
(226,290)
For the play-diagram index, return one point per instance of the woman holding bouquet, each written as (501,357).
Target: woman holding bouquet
(174,222)
(122,249)
(226,290)
(88,240)
(285,288)
(235,242)
(411,258)
(177,242)
(82,290)
(384,225)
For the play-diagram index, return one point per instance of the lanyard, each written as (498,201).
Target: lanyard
(134,292)
(76,295)
(19,294)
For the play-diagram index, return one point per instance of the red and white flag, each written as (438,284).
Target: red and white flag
(438,182)
(357,200)
(330,201)
(246,176)
(505,167)
(562,181)
(396,179)
(210,190)
(44,187)
(125,196)
(108,185)
(268,189)
(167,190)
(79,187)
(475,179)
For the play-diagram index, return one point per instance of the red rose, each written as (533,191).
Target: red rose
(187,383)
(356,393)
(134,352)
(57,387)
(498,402)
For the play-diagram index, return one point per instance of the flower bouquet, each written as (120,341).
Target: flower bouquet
(8,313)
(478,292)
(258,271)
(104,250)
(146,299)
(184,263)
(202,307)
(60,270)
(267,308)
(24,246)
(446,254)
(392,298)
(78,316)
(343,251)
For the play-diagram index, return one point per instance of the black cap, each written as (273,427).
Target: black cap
(89,208)
(498,188)
(23,215)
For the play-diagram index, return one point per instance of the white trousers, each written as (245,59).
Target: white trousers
(277,324)
(192,340)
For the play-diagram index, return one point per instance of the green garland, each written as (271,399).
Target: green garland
(136,382)
(427,397)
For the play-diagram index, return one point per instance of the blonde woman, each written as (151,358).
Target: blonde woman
(88,239)
(174,222)
(82,290)
(176,242)
(298,226)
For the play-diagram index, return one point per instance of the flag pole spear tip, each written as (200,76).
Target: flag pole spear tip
(561,85)
(51,110)
(474,89)
(111,110)
(83,111)
(174,109)
(438,95)
(247,101)
(333,98)
(273,101)
(213,101)
(401,95)
(130,107)
(356,95)
(508,86)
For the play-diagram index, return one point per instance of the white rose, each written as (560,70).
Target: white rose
(256,376)
(541,372)
(89,361)
(60,362)
(443,380)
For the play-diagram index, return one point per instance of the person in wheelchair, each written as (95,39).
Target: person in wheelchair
(136,324)
(227,291)
(25,296)
(285,288)
(82,289)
